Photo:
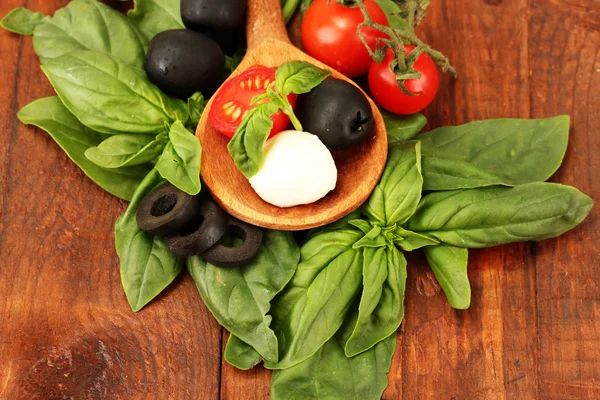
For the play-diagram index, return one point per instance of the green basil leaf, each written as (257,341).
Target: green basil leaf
(381,308)
(22,21)
(456,174)
(240,298)
(88,25)
(372,239)
(449,264)
(74,138)
(180,160)
(298,77)
(240,354)
(147,265)
(313,305)
(110,96)
(392,11)
(126,150)
(196,105)
(397,195)
(364,226)
(516,151)
(401,128)
(410,241)
(246,147)
(493,216)
(150,17)
(329,374)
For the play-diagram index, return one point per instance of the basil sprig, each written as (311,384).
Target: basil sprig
(247,144)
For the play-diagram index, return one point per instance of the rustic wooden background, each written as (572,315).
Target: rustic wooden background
(533,330)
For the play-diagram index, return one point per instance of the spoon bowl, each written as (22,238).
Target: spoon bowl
(359,168)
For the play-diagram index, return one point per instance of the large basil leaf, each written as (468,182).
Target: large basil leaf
(445,174)
(180,161)
(126,150)
(329,374)
(88,25)
(397,195)
(240,298)
(508,151)
(492,216)
(449,264)
(22,21)
(147,265)
(74,138)
(111,96)
(150,17)
(313,305)
(401,128)
(381,306)
(240,354)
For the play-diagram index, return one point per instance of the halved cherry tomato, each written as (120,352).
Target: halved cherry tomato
(232,101)
(385,90)
(329,34)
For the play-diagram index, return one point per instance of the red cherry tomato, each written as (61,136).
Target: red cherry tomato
(385,90)
(329,34)
(232,101)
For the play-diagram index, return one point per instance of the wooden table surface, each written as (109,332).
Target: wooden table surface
(533,329)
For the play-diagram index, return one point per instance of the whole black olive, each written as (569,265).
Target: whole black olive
(165,210)
(337,112)
(200,233)
(182,62)
(223,255)
(213,15)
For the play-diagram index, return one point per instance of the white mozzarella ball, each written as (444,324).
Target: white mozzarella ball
(297,169)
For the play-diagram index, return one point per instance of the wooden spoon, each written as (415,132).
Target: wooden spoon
(359,168)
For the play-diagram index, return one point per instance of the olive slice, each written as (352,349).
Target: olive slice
(165,210)
(200,233)
(231,257)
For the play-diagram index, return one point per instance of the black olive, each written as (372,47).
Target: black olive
(200,233)
(165,210)
(182,62)
(223,255)
(213,15)
(337,112)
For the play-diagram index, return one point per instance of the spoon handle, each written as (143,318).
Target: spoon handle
(265,21)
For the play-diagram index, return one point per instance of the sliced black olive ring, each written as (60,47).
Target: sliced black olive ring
(231,257)
(165,210)
(200,233)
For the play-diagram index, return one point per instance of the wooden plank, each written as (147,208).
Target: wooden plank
(67,330)
(488,351)
(254,384)
(565,63)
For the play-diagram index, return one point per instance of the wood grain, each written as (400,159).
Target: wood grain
(358,169)
(67,330)
(533,329)
(564,59)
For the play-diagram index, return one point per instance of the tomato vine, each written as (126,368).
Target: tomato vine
(403,65)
